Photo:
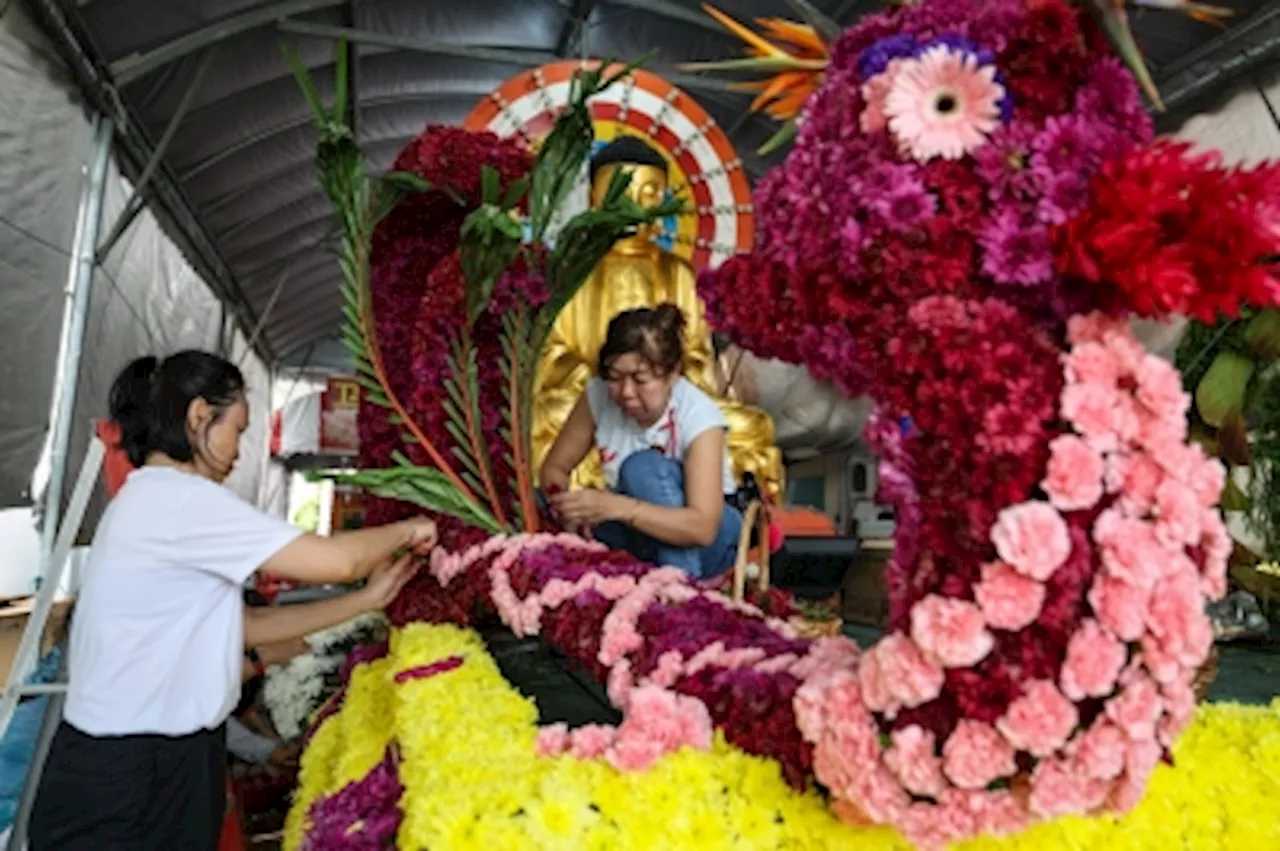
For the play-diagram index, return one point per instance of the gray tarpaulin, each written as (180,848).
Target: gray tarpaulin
(146,298)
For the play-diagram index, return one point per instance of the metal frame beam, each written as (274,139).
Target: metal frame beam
(136,65)
(141,189)
(1227,57)
(673,12)
(66,33)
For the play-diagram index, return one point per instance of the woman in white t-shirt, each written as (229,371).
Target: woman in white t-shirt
(160,629)
(662,445)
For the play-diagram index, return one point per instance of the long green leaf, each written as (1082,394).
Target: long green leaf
(340,78)
(422,486)
(827,29)
(308,86)
(779,140)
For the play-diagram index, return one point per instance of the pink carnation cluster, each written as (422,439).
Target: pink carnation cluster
(1093,732)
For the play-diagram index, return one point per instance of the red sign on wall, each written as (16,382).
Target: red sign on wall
(339,429)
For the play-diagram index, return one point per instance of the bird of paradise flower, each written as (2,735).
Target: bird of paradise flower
(795,55)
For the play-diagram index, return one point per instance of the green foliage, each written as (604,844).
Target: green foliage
(426,487)
(493,238)
(1263,517)
(1220,395)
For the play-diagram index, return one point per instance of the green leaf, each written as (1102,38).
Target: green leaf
(422,486)
(308,86)
(515,192)
(786,135)
(1221,393)
(762,64)
(409,182)
(1262,333)
(1234,499)
(828,30)
(340,78)
(490,185)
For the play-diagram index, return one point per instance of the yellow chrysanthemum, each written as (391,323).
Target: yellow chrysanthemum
(473,779)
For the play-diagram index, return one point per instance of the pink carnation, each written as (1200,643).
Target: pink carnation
(977,755)
(874,93)
(553,740)
(1091,327)
(1008,599)
(1176,617)
(1057,790)
(1106,418)
(913,758)
(1130,549)
(1178,512)
(1160,388)
(1099,752)
(1094,659)
(1121,607)
(1135,478)
(1141,759)
(1040,721)
(1217,546)
(1207,480)
(1137,708)
(880,795)
(1092,363)
(1180,708)
(910,677)
(658,722)
(1073,480)
(591,741)
(936,826)
(875,686)
(952,632)
(1032,538)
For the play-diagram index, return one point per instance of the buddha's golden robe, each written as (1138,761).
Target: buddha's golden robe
(640,274)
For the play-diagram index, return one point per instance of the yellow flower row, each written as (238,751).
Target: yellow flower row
(473,780)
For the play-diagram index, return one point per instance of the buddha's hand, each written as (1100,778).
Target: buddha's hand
(588,507)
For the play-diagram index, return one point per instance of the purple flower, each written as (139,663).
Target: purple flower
(1065,145)
(1015,252)
(362,816)
(1110,94)
(877,57)
(1004,163)
(1065,196)
(905,206)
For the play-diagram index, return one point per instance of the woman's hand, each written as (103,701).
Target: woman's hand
(424,535)
(588,507)
(385,583)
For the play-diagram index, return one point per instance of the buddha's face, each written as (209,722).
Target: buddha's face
(648,184)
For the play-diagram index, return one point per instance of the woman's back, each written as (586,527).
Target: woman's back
(156,644)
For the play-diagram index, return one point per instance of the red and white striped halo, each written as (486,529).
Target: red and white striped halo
(703,164)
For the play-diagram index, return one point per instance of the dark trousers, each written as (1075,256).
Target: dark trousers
(650,476)
(131,793)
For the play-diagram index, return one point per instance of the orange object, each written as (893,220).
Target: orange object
(232,824)
(116,466)
(802,522)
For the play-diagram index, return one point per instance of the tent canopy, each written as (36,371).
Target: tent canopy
(203,82)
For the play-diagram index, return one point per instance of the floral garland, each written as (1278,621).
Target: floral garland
(293,692)
(450,761)
(973,208)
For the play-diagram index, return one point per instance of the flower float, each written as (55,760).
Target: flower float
(973,209)
(452,761)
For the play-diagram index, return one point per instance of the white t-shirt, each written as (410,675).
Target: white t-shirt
(689,413)
(157,638)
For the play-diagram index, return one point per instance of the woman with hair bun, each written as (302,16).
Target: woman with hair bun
(161,632)
(662,445)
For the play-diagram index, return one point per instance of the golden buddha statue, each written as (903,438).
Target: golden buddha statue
(637,272)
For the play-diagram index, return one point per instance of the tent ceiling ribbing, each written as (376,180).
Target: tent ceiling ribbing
(237,180)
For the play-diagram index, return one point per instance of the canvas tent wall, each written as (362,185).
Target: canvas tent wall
(146,297)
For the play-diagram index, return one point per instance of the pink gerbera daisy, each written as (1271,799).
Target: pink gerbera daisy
(943,104)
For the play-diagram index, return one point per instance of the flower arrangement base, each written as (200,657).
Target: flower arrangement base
(467,775)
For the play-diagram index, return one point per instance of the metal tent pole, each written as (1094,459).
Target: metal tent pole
(71,346)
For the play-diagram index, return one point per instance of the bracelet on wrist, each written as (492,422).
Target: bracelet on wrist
(256,660)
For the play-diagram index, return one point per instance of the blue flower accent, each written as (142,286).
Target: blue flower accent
(877,57)
(905,425)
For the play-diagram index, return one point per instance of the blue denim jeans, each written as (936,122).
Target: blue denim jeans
(650,476)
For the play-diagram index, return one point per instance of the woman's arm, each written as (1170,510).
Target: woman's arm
(698,522)
(279,624)
(571,446)
(349,556)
